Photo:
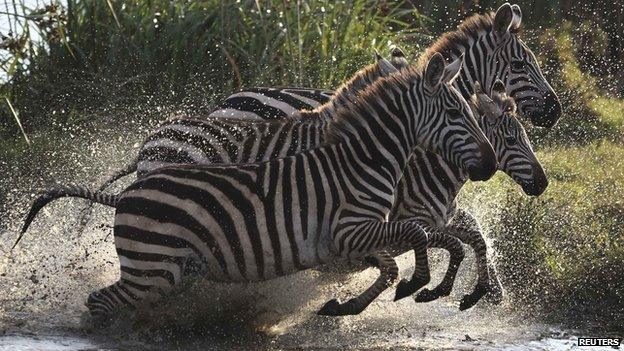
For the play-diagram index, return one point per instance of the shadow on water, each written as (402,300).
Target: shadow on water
(45,281)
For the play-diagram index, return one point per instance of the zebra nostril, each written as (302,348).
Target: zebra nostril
(548,116)
(538,184)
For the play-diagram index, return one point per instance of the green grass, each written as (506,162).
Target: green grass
(563,250)
(589,113)
(610,111)
(191,53)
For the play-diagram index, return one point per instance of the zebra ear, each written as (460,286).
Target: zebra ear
(452,70)
(397,58)
(386,67)
(517,17)
(498,87)
(503,19)
(434,70)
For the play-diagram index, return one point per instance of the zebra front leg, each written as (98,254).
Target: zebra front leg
(359,240)
(475,240)
(466,228)
(456,251)
(389,273)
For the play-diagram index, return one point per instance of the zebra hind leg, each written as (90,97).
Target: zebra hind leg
(138,286)
(389,273)
(102,303)
(456,251)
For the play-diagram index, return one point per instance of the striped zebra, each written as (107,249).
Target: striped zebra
(269,140)
(435,176)
(476,33)
(250,222)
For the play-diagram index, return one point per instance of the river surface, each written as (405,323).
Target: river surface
(46,279)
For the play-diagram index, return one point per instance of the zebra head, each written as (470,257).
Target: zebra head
(516,65)
(459,138)
(497,117)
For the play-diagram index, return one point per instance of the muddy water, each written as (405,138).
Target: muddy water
(45,281)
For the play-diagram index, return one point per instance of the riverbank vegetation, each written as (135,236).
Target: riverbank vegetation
(87,62)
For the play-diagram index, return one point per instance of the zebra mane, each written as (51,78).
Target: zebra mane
(506,103)
(469,29)
(348,91)
(357,113)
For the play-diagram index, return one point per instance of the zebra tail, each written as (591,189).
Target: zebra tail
(65,191)
(131,168)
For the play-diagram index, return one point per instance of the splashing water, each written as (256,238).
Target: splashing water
(45,281)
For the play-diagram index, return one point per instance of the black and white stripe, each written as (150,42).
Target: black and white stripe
(431,185)
(264,103)
(258,221)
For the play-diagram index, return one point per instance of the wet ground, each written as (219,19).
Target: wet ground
(45,281)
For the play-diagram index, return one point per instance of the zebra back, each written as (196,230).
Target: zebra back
(237,140)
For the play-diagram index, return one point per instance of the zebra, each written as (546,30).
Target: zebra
(495,32)
(259,131)
(257,221)
(439,213)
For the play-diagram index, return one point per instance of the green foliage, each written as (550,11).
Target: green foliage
(117,53)
(589,113)
(563,250)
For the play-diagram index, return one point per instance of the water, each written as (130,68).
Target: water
(45,281)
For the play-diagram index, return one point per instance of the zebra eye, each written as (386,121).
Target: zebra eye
(517,65)
(454,113)
(511,140)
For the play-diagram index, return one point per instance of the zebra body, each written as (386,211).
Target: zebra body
(263,103)
(492,51)
(258,221)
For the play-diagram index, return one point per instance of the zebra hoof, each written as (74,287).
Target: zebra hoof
(426,295)
(331,308)
(335,308)
(406,288)
(471,299)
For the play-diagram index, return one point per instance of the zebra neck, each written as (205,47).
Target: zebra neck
(375,146)
(473,70)
(349,91)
